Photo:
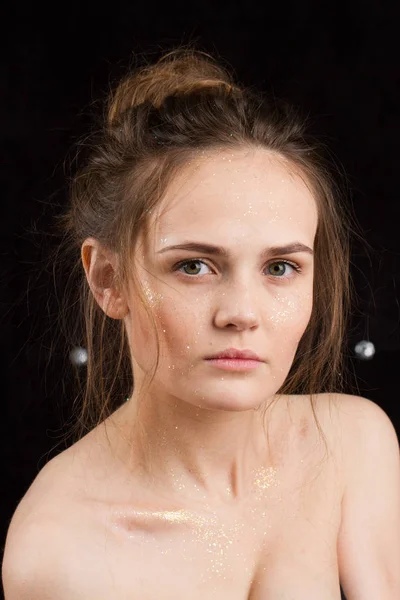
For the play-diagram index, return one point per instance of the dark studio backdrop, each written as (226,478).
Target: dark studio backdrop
(337,63)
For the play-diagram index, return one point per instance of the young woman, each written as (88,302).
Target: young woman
(214,256)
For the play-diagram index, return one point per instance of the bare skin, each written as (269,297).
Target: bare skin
(201,506)
(118,539)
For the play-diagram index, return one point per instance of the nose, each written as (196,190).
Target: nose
(237,309)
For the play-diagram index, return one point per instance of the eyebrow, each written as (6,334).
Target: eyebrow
(220,251)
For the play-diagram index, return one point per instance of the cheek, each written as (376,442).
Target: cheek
(180,324)
(287,322)
(289,315)
(179,321)
(142,336)
(143,325)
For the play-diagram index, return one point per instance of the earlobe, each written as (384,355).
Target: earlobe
(110,301)
(113,304)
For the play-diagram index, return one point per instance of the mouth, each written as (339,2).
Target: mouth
(235,354)
(235,360)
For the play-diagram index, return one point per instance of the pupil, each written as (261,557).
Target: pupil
(192,266)
(278,268)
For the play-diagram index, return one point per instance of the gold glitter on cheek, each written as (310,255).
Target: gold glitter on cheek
(288,308)
(283,312)
(154,298)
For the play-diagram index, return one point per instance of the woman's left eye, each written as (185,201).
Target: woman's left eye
(278,268)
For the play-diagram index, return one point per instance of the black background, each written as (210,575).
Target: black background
(339,63)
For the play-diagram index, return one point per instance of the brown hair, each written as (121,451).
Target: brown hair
(160,116)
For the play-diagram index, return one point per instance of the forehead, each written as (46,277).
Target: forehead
(243,195)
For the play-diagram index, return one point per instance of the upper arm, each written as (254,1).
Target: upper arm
(369,536)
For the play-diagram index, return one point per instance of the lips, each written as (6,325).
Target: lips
(235,354)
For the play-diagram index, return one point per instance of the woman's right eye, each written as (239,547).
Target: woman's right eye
(192,267)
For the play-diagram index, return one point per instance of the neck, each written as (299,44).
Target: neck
(197,454)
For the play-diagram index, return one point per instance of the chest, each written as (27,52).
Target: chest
(279,545)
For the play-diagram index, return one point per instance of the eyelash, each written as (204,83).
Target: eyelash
(182,263)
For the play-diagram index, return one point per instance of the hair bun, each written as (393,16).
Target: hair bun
(178,72)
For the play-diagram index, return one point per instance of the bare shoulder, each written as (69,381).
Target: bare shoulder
(359,409)
(348,422)
(49,535)
(52,488)
(359,417)
(57,545)
(34,541)
(358,427)
(365,428)
(346,411)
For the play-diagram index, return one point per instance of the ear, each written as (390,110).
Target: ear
(100,268)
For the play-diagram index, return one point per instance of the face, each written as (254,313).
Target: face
(227,264)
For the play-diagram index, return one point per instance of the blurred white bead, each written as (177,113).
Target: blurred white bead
(364,350)
(78,356)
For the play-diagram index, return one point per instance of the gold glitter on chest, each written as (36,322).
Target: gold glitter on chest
(265,478)
(218,536)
